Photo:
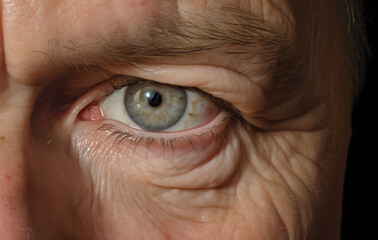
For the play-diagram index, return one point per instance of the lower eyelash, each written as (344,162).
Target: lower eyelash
(118,137)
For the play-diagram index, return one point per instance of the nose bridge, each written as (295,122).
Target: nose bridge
(16,103)
(14,205)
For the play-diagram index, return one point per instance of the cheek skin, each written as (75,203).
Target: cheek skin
(254,185)
(201,162)
(167,196)
(261,194)
(58,192)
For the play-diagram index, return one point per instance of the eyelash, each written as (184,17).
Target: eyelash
(117,83)
(118,137)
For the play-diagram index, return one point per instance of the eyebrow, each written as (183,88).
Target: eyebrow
(225,32)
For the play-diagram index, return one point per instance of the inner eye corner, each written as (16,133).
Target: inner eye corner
(91,112)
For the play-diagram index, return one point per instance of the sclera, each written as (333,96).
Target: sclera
(200,110)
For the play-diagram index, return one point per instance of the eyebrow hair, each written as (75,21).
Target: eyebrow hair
(225,31)
(237,32)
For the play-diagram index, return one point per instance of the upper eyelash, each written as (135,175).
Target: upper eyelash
(118,136)
(120,82)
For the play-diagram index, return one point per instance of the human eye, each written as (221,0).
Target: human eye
(168,131)
(156,107)
(144,108)
(145,112)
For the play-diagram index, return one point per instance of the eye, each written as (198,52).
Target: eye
(157,107)
(171,134)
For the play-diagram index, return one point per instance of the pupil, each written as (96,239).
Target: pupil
(154,98)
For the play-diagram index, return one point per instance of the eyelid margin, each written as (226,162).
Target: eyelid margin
(200,109)
(234,112)
(241,92)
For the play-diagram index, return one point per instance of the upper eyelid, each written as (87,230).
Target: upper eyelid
(120,81)
(243,97)
(77,82)
(95,90)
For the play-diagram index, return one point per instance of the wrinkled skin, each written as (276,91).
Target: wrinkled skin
(62,179)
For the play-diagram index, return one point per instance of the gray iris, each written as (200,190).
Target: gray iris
(154,106)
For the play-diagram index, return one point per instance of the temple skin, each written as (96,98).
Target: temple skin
(276,174)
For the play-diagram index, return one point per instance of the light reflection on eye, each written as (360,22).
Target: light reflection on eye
(159,107)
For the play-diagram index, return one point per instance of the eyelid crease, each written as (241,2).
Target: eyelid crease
(121,81)
(244,95)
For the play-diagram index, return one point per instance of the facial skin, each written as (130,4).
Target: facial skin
(270,165)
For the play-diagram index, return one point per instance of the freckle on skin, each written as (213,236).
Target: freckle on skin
(2,138)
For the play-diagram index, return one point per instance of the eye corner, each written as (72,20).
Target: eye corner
(92,112)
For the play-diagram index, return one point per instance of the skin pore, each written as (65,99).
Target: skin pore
(270,165)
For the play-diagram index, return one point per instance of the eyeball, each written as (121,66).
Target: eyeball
(157,107)
(153,106)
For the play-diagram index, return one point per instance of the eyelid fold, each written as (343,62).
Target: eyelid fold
(238,90)
(243,93)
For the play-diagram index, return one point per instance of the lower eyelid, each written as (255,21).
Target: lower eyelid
(216,125)
(117,137)
(178,163)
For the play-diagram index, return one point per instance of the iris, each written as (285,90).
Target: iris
(154,106)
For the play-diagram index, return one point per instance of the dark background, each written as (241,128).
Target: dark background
(360,207)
